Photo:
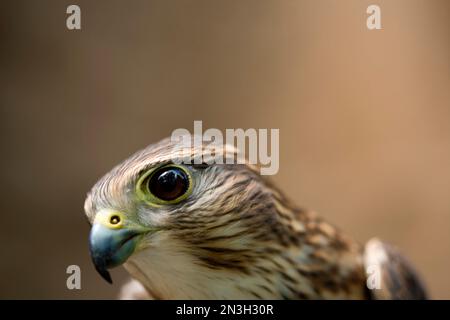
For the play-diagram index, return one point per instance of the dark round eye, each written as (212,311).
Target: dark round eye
(169,183)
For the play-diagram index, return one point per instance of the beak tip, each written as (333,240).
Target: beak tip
(105,274)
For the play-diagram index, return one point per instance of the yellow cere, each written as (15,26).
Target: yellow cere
(109,218)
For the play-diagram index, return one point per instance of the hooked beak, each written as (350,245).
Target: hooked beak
(112,241)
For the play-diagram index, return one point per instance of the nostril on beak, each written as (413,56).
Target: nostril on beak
(114,220)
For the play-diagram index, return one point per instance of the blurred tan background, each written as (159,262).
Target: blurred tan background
(364,116)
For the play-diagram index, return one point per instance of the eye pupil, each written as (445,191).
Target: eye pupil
(169,183)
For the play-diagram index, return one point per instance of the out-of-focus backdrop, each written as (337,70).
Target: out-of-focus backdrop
(364,116)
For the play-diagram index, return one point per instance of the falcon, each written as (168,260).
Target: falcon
(199,230)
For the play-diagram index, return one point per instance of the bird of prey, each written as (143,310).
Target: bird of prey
(223,231)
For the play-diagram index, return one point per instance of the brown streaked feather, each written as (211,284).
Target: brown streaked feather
(399,280)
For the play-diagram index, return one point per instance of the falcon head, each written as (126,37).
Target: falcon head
(186,230)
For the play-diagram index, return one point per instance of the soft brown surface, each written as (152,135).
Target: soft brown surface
(364,116)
